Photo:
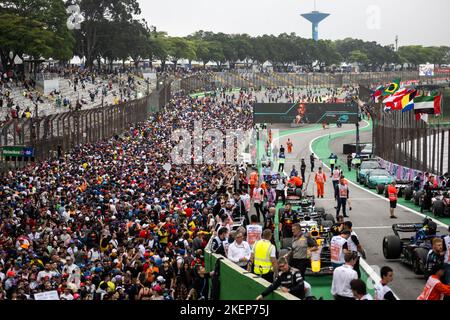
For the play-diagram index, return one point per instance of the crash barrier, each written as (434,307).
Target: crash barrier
(238,284)
(210,81)
(403,173)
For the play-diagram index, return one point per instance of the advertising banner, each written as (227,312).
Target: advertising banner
(305,113)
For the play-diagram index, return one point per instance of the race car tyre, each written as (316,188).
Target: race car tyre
(320,210)
(392,247)
(330,217)
(419,260)
(408,194)
(386,194)
(327,223)
(438,208)
(298,192)
(380,188)
(417,196)
(286,243)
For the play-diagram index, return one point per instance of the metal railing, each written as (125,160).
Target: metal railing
(73,128)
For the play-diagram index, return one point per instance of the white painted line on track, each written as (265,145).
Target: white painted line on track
(372,193)
(367,268)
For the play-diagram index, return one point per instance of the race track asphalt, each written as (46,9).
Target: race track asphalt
(370,214)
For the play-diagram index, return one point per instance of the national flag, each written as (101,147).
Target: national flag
(422,116)
(409,106)
(394,101)
(392,88)
(428,104)
(438,105)
(377,93)
(408,101)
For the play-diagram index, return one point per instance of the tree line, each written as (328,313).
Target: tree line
(111,32)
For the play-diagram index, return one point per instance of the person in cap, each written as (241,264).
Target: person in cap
(289,279)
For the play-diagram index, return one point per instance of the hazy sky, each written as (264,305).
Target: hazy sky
(424,22)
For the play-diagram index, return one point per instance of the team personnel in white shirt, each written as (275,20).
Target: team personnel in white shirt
(343,276)
(239,251)
(354,245)
(254,231)
(382,290)
(339,247)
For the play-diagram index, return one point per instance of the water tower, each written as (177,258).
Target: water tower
(315,17)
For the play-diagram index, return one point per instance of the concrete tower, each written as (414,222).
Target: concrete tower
(315,17)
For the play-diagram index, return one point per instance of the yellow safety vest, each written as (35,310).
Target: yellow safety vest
(263,264)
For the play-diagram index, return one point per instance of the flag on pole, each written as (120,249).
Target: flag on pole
(422,116)
(394,101)
(377,93)
(428,104)
(392,88)
(408,101)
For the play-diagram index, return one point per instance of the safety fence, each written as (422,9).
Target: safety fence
(66,130)
(400,139)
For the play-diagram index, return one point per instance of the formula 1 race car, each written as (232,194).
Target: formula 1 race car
(303,201)
(404,189)
(315,221)
(412,251)
(321,233)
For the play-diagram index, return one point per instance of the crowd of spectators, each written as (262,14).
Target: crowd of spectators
(106,221)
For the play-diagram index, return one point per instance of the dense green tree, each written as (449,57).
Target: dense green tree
(97,15)
(37,28)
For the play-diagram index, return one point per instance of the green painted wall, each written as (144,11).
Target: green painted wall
(236,285)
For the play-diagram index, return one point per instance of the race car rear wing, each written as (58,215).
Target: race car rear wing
(406,227)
